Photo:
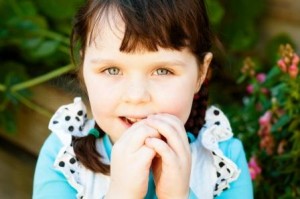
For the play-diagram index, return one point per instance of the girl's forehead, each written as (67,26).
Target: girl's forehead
(105,26)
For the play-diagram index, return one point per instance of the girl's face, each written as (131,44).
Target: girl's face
(126,87)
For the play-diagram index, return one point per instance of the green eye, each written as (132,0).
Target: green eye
(162,71)
(112,71)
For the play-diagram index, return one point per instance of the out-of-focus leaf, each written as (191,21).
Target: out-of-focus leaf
(215,11)
(59,10)
(32,43)
(45,48)
(26,25)
(8,120)
(281,122)
(13,68)
(27,8)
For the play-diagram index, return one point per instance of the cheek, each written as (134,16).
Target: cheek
(178,103)
(97,93)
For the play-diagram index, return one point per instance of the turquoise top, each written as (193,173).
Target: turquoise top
(50,183)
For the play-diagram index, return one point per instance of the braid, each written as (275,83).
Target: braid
(86,152)
(197,116)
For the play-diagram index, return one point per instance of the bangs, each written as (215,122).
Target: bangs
(153,24)
(149,24)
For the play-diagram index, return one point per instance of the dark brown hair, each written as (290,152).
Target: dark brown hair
(149,24)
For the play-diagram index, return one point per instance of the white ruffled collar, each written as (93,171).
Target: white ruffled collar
(211,172)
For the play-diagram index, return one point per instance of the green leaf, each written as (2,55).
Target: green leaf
(46,48)
(294,124)
(14,69)
(8,121)
(28,8)
(59,10)
(274,72)
(281,122)
(32,43)
(241,79)
(215,11)
(276,90)
(25,25)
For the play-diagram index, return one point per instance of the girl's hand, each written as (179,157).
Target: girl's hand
(172,164)
(130,162)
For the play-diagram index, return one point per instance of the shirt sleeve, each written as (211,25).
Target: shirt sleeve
(234,150)
(48,182)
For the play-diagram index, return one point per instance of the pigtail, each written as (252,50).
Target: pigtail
(199,106)
(86,152)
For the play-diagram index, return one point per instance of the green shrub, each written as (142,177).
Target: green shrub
(270,122)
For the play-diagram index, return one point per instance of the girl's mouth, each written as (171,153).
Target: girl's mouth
(130,121)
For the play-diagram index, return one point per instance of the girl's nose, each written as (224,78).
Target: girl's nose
(136,92)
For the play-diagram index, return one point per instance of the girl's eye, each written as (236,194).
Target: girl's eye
(112,71)
(162,71)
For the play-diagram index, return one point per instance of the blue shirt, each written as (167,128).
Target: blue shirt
(50,183)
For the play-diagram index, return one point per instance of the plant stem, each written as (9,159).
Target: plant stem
(42,79)
(31,105)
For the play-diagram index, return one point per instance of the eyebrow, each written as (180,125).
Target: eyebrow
(159,62)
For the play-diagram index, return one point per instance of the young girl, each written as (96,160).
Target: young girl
(143,65)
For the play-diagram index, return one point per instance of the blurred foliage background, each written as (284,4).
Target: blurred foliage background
(34,49)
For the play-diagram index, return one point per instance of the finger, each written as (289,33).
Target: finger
(136,125)
(135,136)
(146,155)
(162,149)
(172,131)
(173,121)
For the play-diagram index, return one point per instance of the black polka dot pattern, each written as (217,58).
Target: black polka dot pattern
(71,128)
(216,112)
(68,165)
(218,125)
(72,119)
(61,164)
(221,164)
(72,160)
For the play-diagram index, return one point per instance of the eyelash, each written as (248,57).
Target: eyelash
(116,71)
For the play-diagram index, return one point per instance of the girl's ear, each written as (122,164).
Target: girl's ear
(203,69)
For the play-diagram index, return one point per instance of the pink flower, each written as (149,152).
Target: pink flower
(250,89)
(261,77)
(293,71)
(267,143)
(282,65)
(295,60)
(254,168)
(265,119)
